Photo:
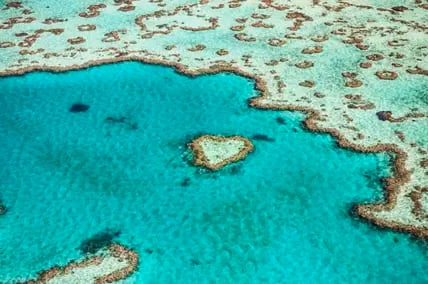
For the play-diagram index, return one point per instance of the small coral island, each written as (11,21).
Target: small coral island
(215,152)
(110,265)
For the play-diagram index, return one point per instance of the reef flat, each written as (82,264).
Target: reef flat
(113,264)
(357,68)
(215,152)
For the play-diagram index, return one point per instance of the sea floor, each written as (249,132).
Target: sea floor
(282,215)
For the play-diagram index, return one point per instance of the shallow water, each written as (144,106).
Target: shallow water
(279,216)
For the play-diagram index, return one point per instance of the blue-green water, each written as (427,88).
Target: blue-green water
(279,216)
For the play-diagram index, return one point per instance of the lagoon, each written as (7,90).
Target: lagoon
(122,165)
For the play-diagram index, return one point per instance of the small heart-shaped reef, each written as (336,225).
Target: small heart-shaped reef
(215,152)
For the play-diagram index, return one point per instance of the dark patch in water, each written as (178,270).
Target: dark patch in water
(98,241)
(420,242)
(262,137)
(3,208)
(280,120)
(79,107)
(235,170)
(148,251)
(384,115)
(185,182)
(195,261)
(115,119)
(122,120)
(373,179)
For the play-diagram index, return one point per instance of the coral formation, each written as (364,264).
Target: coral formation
(215,152)
(115,263)
(384,45)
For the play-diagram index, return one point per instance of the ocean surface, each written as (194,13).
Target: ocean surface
(122,169)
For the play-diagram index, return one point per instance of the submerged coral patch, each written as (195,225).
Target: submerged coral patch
(3,208)
(79,107)
(98,241)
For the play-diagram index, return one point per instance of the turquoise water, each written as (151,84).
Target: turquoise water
(279,216)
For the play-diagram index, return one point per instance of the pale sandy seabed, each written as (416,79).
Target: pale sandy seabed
(340,61)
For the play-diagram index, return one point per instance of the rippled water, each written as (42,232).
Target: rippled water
(279,216)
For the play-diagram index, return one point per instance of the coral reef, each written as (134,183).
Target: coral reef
(382,47)
(215,152)
(115,263)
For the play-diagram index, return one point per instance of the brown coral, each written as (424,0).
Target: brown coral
(353,83)
(375,57)
(307,83)
(85,28)
(222,52)
(76,40)
(312,50)
(304,64)
(386,75)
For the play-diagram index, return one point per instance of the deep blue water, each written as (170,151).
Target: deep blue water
(279,216)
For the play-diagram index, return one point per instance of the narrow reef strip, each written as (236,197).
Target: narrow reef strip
(126,260)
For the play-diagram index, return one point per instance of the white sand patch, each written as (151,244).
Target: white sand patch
(219,151)
(89,273)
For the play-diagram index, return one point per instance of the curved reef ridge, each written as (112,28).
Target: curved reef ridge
(355,67)
(115,263)
(215,152)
